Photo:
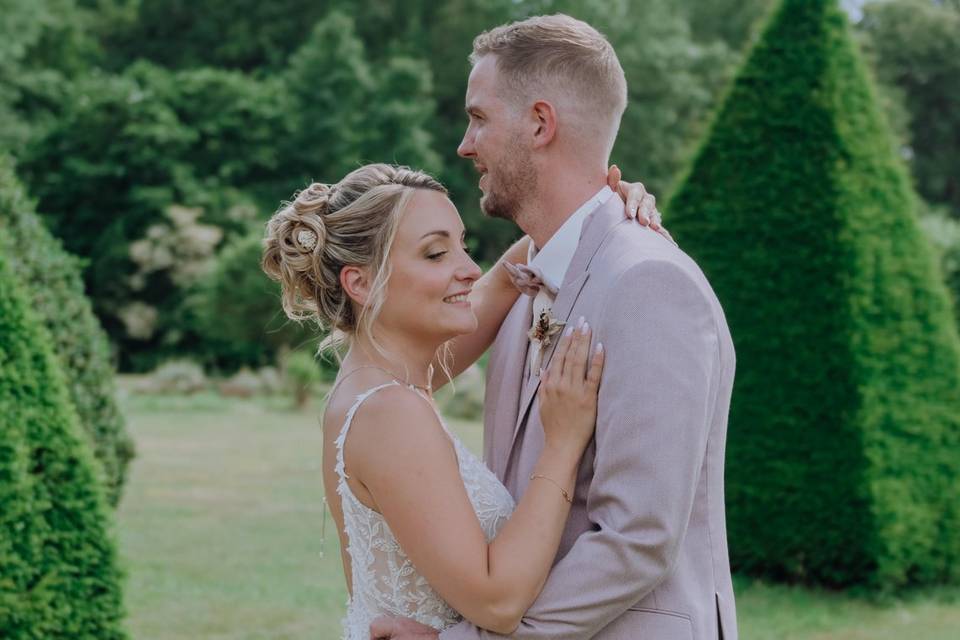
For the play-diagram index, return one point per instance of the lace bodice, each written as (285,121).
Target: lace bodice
(384,580)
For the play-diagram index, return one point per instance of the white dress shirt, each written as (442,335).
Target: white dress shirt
(553,260)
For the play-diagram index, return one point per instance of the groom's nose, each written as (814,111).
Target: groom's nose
(466,150)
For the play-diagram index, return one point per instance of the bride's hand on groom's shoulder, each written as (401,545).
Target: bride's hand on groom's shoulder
(639,204)
(393,628)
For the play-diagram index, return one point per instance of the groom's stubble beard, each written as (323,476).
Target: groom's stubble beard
(514,184)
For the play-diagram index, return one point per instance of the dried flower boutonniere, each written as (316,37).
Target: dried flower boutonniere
(542,333)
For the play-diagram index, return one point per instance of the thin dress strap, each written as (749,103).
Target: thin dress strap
(341,472)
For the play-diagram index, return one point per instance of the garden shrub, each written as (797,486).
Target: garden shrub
(302,372)
(56,294)
(843,455)
(236,311)
(59,577)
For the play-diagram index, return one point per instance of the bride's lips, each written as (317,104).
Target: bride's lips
(460,298)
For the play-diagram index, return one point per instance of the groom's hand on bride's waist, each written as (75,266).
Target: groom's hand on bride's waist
(392,628)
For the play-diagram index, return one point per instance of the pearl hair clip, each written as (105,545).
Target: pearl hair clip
(307,239)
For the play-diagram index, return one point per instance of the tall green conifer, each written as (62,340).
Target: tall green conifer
(59,578)
(843,462)
(56,295)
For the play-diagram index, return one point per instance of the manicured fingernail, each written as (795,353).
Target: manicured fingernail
(585,328)
(567,331)
(541,372)
(599,347)
(580,321)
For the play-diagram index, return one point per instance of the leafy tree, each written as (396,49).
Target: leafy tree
(845,420)
(103,175)
(733,22)
(42,44)
(61,578)
(236,312)
(331,85)
(916,48)
(125,152)
(236,122)
(234,34)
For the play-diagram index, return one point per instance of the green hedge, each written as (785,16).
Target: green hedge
(57,296)
(59,577)
(843,459)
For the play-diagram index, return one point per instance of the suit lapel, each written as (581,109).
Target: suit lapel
(595,229)
(509,379)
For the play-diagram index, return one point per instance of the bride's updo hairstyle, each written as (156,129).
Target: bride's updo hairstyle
(326,227)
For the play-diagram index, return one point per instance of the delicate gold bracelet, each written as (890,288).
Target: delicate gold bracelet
(566,496)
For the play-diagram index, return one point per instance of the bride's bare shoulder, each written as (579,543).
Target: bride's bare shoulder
(392,412)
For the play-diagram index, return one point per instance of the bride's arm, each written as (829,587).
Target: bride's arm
(491,298)
(399,451)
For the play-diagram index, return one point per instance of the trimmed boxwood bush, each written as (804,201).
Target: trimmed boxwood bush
(56,294)
(843,463)
(59,577)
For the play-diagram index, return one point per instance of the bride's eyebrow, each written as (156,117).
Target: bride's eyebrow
(442,232)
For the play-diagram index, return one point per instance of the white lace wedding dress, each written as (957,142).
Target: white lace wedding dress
(385,582)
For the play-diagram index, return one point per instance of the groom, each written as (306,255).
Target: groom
(644,552)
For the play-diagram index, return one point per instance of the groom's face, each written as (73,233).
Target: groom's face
(495,143)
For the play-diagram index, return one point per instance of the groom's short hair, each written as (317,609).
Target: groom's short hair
(566,60)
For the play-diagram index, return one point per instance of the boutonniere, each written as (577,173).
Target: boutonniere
(542,333)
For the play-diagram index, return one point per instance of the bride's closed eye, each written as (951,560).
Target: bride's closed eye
(439,254)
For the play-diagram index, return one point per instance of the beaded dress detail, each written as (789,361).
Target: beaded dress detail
(384,580)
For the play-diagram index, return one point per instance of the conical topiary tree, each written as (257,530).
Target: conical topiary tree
(843,459)
(59,577)
(56,294)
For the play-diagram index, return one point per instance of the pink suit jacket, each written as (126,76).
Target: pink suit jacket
(644,552)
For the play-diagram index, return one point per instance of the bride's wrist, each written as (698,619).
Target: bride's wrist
(563,456)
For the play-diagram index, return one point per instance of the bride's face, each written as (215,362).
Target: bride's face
(432,274)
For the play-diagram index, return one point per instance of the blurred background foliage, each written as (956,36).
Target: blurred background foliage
(143,144)
(156,136)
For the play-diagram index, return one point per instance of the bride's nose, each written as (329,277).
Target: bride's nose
(469,270)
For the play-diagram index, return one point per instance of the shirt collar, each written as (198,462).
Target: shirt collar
(555,256)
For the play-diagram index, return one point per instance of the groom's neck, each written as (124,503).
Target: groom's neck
(559,194)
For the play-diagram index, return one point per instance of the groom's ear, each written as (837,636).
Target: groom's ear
(545,120)
(355,283)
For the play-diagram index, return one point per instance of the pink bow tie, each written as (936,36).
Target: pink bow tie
(529,280)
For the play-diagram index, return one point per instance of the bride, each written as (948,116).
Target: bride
(426,530)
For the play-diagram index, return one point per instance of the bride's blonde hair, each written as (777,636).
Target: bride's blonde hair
(354,222)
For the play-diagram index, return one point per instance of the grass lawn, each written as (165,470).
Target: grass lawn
(220,533)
